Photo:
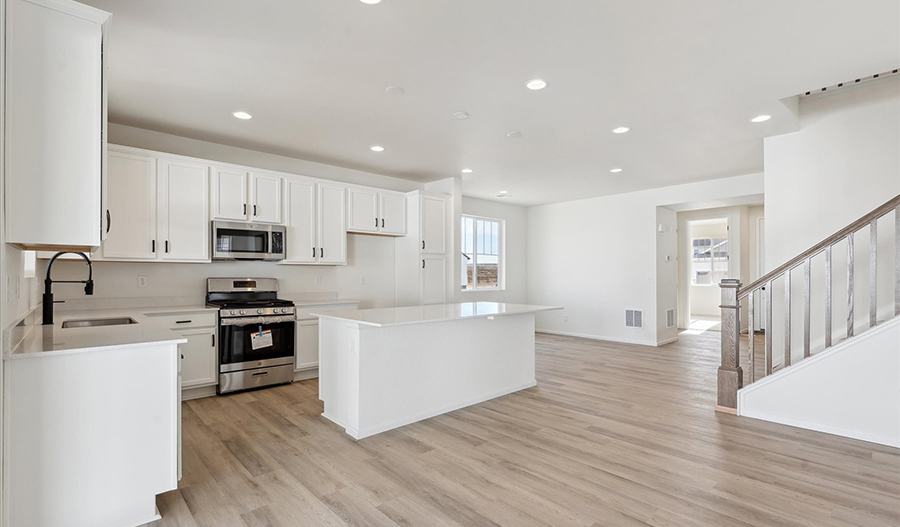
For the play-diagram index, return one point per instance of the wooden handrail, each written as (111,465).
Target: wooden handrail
(890,205)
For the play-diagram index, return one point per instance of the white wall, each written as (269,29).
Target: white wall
(515,256)
(843,162)
(852,390)
(598,257)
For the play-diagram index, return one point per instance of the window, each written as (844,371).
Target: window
(482,253)
(709,262)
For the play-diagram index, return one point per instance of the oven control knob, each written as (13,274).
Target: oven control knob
(277,310)
(233,312)
(260,311)
(243,312)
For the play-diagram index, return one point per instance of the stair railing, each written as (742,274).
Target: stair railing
(730,374)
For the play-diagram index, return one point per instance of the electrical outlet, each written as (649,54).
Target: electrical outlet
(142,281)
(362,280)
(318,279)
(565,318)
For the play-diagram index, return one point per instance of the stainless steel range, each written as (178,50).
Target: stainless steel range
(256,333)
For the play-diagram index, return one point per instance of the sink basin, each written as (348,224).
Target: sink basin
(94,322)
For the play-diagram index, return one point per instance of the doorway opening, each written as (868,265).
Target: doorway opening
(709,264)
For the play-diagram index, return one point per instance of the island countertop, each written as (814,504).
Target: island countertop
(400,316)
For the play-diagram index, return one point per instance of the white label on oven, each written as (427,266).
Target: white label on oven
(263,339)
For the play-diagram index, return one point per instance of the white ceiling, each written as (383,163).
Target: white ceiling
(685,75)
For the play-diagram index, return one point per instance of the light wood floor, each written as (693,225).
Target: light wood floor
(613,435)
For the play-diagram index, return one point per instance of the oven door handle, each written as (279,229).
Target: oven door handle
(256,321)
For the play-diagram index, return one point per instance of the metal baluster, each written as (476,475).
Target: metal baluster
(873,273)
(787,318)
(849,285)
(750,335)
(828,297)
(897,260)
(806,295)
(769,329)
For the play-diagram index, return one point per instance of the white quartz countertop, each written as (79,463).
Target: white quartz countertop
(44,341)
(399,316)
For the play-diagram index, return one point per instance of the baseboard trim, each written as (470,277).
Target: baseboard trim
(304,375)
(827,429)
(666,341)
(726,410)
(595,337)
(198,392)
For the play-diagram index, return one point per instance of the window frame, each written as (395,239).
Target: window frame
(501,253)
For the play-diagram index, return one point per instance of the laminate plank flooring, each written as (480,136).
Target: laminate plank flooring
(614,435)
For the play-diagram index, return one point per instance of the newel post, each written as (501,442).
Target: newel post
(731,377)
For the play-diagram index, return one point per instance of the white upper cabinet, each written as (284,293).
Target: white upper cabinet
(229,194)
(376,211)
(184,211)
(132,208)
(265,195)
(332,224)
(300,220)
(362,210)
(433,224)
(55,124)
(393,213)
(316,221)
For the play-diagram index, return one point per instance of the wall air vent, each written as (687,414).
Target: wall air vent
(634,318)
(855,82)
(670,318)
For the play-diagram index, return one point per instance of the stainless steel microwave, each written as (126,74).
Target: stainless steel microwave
(247,241)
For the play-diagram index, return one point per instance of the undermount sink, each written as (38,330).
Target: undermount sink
(94,322)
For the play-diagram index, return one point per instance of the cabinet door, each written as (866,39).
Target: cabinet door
(300,219)
(434,279)
(184,211)
(198,368)
(332,224)
(229,194)
(434,230)
(393,214)
(266,198)
(306,345)
(132,207)
(362,210)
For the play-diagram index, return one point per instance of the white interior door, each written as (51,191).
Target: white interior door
(132,207)
(184,211)
(434,280)
(229,194)
(332,216)
(393,214)
(267,200)
(300,218)
(434,229)
(363,210)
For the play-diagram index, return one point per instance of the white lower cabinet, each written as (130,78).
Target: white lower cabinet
(433,280)
(306,338)
(198,363)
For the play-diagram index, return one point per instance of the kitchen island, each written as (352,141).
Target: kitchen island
(380,369)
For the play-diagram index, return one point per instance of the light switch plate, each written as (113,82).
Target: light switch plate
(318,279)
(142,281)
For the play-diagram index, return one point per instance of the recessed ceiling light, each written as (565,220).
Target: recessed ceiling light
(514,134)
(242,115)
(461,115)
(536,84)
(620,130)
(467,171)
(370,2)
(504,192)
(760,118)
(395,90)
(376,148)
(616,170)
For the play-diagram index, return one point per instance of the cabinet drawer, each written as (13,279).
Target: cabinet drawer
(185,320)
(303,312)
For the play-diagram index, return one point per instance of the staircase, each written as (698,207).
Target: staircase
(771,355)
